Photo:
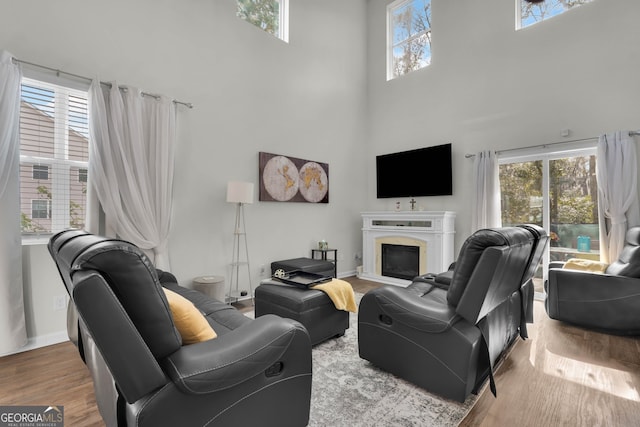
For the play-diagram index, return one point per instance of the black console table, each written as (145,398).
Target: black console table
(323,256)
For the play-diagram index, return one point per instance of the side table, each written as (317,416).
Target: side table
(323,256)
(211,285)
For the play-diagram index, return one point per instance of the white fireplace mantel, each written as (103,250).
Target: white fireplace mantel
(431,231)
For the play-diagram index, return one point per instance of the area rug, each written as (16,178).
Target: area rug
(350,391)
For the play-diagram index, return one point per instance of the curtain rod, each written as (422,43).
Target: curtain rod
(77,76)
(631,133)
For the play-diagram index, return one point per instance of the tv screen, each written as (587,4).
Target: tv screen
(414,173)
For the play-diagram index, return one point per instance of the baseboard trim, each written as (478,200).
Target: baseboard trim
(41,341)
(344,274)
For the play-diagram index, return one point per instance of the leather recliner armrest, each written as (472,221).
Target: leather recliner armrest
(234,357)
(575,286)
(428,313)
(604,284)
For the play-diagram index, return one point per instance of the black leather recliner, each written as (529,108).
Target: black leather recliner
(446,333)
(256,372)
(608,302)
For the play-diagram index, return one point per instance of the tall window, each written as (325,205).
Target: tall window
(557,191)
(271,16)
(408,36)
(54,155)
(531,13)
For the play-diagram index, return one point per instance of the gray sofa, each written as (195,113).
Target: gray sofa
(256,372)
(445,332)
(608,302)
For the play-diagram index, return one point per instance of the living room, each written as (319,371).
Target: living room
(325,96)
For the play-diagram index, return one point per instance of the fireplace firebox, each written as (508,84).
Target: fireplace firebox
(400,261)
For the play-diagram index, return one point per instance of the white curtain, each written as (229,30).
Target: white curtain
(486,208)
(13,333)
(131,166)
(618,209)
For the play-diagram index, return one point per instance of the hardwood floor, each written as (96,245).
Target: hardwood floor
(561,375)
(53,375)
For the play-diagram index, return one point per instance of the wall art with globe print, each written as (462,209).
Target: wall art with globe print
(289,179)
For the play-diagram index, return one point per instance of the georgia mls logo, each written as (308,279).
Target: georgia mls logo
(31,416)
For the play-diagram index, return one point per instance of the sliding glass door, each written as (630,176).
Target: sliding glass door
(557,191)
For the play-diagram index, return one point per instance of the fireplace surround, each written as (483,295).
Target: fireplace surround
(425,235)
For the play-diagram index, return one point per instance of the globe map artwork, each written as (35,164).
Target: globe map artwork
(287,179)
(313,182)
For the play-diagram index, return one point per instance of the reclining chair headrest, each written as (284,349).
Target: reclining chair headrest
(628,263)
(65,247)
(633,236)
(131,277)
(472,250)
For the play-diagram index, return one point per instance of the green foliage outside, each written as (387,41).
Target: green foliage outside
(572,192)
(76,215)
(264,14)
(28,225)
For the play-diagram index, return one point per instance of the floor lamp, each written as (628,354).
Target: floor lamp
(240,193)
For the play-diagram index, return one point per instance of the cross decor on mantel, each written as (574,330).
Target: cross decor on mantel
(413,204)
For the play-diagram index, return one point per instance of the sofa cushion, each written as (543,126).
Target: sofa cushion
(222,317)
(585,265)
(191,324)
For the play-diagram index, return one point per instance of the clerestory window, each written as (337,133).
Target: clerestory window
(528,13)
(271,16)
(408,36)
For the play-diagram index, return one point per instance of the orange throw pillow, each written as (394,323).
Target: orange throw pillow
(191,324)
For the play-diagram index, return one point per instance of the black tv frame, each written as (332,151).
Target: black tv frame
(426,171)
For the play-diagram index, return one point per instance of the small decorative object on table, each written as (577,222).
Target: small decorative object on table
(584,244)
(323,245)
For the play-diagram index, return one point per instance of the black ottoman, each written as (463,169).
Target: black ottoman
(308,265)
(313,308)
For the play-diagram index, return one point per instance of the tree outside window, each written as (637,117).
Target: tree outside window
(409,36)
(531,13)
(268,15)
(571,195)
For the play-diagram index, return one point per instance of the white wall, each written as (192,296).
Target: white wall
(324,96)
(491,87)
(251,93)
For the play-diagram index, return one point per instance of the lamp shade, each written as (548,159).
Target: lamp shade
(239,192)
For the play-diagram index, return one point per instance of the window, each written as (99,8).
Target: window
(268,15)
(82,175)
(40,209)
(408,36)
(558,191)
(40,172)
(54,155)
(532,13)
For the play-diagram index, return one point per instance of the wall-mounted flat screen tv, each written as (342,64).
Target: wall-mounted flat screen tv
(414,173)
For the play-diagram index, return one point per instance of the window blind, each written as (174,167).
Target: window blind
(54,156)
